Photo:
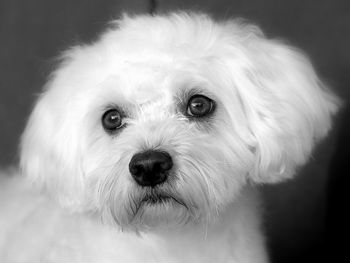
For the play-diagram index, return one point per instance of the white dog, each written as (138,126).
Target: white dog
(160,130)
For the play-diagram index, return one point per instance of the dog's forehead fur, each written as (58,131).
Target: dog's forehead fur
(162,52)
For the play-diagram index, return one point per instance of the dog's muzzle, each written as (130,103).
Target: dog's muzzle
(150,168)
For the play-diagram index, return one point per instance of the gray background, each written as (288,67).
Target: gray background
(305,218)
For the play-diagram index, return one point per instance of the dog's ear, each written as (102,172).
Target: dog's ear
(287,106)
(50,147)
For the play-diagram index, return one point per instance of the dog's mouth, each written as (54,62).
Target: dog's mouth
(159,199)
(158,207)
(156,201)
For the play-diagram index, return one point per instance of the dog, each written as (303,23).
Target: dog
(152,139)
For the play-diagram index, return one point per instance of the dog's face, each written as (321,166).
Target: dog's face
(164,119)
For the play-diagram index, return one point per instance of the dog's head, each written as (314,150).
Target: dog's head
(164,119)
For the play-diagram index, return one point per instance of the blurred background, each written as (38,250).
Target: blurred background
(307,218)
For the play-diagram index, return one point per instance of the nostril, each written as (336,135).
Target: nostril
(150,167)
(136,169)
(165,165)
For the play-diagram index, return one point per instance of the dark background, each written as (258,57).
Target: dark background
(307,218)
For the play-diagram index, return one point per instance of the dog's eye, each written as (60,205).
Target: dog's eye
(199,106)
(112,120)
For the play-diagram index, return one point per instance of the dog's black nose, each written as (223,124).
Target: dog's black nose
(150,168)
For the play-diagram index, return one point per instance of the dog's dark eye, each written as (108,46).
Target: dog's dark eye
(199,106)
(112,120)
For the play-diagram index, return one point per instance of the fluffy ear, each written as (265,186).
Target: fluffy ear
(288,107)
(49,154)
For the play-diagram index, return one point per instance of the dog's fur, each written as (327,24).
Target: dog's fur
(270,110)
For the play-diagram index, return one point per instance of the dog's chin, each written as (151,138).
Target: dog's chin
(162,212)
(155,210)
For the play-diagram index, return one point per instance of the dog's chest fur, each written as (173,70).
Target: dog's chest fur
(33,229)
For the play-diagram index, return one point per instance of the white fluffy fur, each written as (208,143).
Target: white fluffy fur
(271,109)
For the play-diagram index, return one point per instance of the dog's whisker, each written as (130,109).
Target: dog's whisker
(202,174)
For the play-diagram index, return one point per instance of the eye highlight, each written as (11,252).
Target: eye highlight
(112,120)
(199,106)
